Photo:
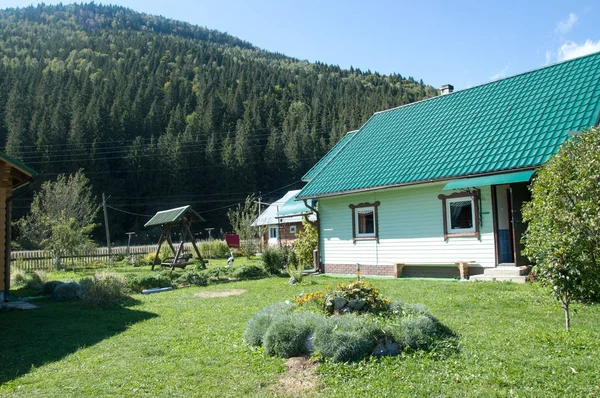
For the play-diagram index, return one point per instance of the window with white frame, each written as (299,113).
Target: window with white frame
(292,229)
(273,232)
(364,221)
(461,214)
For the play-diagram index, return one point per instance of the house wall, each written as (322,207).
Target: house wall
(286,238)
(5,192)
(410,231)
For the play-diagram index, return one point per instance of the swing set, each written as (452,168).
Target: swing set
(180,217)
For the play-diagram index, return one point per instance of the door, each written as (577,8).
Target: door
(519,194)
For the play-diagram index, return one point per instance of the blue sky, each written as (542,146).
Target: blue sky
(463,43)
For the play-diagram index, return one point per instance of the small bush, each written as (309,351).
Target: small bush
(189,277)
(66,291)
(248,272)
(417,332)
(288,335)
(214,249)
(273,260)
(33,280)
(346,338)
(257,325)
(137,283)
(50,286)
(104,289)
(416,309)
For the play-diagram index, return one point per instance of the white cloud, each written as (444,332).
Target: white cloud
(565,26)
(502,73)
(548,57)
(570,49)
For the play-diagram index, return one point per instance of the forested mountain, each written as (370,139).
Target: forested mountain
(161,113)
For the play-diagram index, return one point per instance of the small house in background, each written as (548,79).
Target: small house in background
(282,220)
(14,175)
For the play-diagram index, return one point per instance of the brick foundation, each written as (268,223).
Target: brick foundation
(380,270)
(419,271)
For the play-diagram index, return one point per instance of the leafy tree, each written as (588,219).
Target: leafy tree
(306,243)
(62,215)
(241,218)
(563,234)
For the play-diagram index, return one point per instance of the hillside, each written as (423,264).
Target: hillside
(161,113)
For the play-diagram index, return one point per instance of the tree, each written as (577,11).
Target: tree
(563,234)
(306,243)
(241,218)
(62,215)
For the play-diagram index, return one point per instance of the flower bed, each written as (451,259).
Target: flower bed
(347,323)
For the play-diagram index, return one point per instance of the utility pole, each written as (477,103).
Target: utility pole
(107,230)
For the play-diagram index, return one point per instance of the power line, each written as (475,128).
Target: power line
(128,212)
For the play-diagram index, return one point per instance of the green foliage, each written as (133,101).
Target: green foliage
(287,335)
(563,233)
(104,289)
(248,272)
(273,259)
(214,249)
(418,332)
(241,218)
(189,277)
(33,280)
(294,268)
(346,338)
(67,291)
(137,283)
(257,326)
(305,244)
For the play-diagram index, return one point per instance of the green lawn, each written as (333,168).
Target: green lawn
(512,343)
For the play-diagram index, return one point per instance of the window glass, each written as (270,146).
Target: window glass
(272,232)
(292,229)
(460,214)
(365,221)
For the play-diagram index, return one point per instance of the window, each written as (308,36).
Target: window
(273,232)
(292,229)
(461,214)
(364,221)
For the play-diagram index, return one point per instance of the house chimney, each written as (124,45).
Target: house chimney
(446,89)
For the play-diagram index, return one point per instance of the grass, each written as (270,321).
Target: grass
(512,343)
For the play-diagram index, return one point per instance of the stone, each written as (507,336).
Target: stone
(357,305)
(339,303)
(386,347)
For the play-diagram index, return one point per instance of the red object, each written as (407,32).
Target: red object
(233,240)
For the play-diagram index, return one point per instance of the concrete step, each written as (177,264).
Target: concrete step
(503,270)
(498,278)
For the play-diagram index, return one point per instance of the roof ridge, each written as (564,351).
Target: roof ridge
(492,82)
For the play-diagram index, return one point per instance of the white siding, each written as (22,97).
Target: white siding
(410,229)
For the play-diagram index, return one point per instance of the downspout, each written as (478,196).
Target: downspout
(317,225)
(8,233)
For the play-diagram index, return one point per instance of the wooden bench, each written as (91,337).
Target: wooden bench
(463,267)
(181,262)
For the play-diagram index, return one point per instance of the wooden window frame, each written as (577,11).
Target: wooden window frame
(474,196)
(276,229)
(353,208)
(293,229)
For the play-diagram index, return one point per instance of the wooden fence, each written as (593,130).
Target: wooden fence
(40,259)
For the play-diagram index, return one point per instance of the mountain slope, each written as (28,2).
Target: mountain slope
(161,113)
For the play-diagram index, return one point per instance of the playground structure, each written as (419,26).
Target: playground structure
(180,217)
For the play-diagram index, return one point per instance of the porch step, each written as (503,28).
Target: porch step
(503,273)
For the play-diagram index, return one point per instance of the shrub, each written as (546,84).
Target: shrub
(346,338)
(137,283)
(33,280)
(104,289)
(50,286)
(295,269)
(214,249)
(66,291)
(257,325)
(417,332)
(357,290)
(247,272)
(306,243)
(288,334)
(189,277)
(273,260)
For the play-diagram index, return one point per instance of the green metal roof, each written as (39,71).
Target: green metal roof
(292,208)
(509,124)
(18,164)
(173,216)
(495,179)
(328,156)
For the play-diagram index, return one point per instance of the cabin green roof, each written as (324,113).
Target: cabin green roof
(510,124)
(18,165)
(328,156)
(174,216)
